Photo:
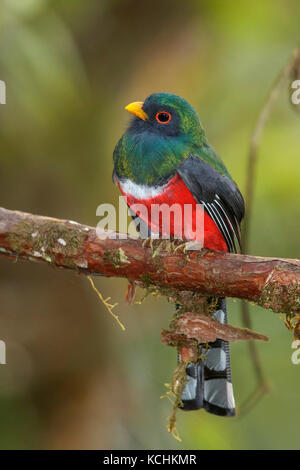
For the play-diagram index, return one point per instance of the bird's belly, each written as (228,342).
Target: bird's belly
(183,221)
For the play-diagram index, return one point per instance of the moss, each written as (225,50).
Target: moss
(22,236)
(116,257)
(174,393)
(123,257)
(42,238)
(182,262)
(284,299)
(146,280)
(213,304)
(201,253)
(157,250)
(158,263)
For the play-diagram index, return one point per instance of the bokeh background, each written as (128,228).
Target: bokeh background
(73,379)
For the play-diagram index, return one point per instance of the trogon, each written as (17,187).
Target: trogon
(165,158)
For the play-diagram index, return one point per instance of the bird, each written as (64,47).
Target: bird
(164,158)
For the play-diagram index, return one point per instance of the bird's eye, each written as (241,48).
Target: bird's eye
(163,117)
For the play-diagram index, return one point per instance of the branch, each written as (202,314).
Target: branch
(190,327)
(270,282)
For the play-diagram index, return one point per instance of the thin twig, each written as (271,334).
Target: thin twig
(264,114)
(255,141)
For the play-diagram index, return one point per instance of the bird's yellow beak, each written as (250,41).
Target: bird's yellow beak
(136,109)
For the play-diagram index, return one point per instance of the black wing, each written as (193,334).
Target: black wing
(219,195)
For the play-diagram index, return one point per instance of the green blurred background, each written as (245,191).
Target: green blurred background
(73,379)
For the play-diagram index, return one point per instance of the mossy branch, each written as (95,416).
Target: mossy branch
(272,283)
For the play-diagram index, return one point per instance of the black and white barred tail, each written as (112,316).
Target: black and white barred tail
(208,382)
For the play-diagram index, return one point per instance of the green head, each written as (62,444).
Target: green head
(164,131)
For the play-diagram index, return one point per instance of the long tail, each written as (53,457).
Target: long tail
(209,384)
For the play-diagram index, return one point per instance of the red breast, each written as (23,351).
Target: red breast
(183,224)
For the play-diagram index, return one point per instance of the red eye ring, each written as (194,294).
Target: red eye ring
(165,117)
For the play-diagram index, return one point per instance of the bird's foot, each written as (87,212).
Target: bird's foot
(148,241)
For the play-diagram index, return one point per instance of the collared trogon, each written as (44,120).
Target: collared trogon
(164,158)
